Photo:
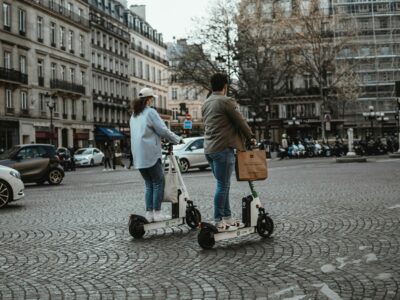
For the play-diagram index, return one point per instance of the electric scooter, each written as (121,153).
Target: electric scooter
(254,217)
(184,211)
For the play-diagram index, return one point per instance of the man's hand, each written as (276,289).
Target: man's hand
(253,142)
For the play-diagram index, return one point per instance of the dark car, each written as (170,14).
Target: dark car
(36,163)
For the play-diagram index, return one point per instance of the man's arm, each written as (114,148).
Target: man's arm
(237,119)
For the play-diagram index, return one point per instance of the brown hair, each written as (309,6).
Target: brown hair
(138,105)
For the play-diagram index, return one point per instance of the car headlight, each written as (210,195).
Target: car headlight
(16,174)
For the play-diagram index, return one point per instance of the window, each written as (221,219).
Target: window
(83,78)
(65,106)
(307,81)
(9,102)
(42,103)
(62,37)
(22,21)
(174,95)
(84,112)
(53,71)
(7,60)
(53,36)
(24,103)
(71,40)
(22,64)
(39,28)
(40,68)
(82,45)
(7,16)
(70,8)
(62,72)
(72,75)
(73,107)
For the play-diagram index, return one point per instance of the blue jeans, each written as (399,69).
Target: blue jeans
(154,183)
(222,164)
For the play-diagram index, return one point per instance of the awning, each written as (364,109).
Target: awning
(111,133)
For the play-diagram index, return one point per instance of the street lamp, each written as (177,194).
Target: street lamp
(50,104)
(382,119)
(294,122)
(370,116)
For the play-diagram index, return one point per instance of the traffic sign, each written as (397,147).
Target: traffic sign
(187,124)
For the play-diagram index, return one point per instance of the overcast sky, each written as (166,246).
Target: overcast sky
(172,17)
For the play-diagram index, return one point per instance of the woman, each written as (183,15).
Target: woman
(147,129)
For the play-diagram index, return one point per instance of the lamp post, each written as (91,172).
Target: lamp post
(370,116)
(382,119)
(50,105)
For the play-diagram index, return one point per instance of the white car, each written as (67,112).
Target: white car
(191,154)
(11,186)
(88,157)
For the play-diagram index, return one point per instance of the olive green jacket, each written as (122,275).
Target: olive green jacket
(224,126)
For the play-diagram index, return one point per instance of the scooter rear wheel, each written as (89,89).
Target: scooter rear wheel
(193,217)
(136,228)
(265,226)
(206,238)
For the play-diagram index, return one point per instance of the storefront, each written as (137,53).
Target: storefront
(9,134)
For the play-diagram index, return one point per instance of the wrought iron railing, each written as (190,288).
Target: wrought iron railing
(13,75)
(68,86)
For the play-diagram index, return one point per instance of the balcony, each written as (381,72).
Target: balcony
(61,10)
(13,75)
(109,27)
(67,86)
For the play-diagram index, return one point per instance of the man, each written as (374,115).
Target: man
(225,130)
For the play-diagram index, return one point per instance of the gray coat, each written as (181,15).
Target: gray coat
(224,126)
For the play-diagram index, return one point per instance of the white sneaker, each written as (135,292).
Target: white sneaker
(104,170)
(149,216)
(159,216)
(223,227)
(232,222)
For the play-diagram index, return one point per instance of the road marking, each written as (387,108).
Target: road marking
(394,206)
(371,257)
(328,292)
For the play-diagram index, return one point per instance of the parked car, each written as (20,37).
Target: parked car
(88,157)
(35,162)
(191,154)
(11,186)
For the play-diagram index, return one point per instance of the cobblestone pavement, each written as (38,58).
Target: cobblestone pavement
(336,237)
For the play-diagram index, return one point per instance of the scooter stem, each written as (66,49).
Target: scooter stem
(252,189)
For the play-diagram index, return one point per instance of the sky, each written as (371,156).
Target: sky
(172,17)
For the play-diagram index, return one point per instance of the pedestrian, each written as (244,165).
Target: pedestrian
(130,156)
(117,157)
(147,129)
(72,158)
(107,156)
(225,130)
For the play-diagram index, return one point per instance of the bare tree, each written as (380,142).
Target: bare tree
(317,37)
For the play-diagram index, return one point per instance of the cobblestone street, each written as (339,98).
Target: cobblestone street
(336,237)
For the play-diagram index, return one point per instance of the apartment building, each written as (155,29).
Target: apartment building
(184,99)
(43,72)
(110,74)
(377,54)
(148,59)
(374,51)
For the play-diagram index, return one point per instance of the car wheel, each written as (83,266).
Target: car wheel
(184,165)
(92,162)
(55,177)
(5,193)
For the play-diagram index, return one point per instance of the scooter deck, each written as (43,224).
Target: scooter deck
(163,224)
(232,234)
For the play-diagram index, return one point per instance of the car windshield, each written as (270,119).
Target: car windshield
(83,152)
(9,153)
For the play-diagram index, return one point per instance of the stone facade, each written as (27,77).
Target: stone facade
(45,60)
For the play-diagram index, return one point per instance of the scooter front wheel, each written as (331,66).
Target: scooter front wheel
(136,228)
(206,238)
(193,217)
(265,226)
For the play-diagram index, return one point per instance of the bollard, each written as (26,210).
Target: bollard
(350,141)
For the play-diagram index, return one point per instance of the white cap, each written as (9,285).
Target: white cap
(146,92)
